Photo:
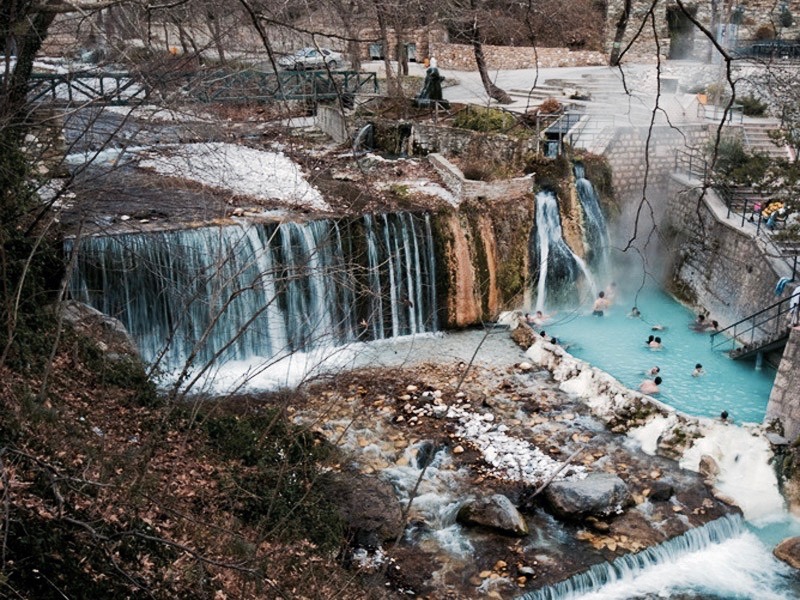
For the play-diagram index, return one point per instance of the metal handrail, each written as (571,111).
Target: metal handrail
(766,321)
(118,88)
(692,162)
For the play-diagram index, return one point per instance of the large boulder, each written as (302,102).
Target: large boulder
(109,333)
(496,512)
(789,552)
(368,506)
(598,495)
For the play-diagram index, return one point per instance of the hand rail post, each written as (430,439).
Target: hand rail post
(744,211)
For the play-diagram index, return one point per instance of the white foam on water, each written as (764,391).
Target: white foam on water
(259,373)
(647,436)
(741,568)
(746,471)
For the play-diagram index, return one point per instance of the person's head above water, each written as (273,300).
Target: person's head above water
(698,366)
(657,380)
(601,295)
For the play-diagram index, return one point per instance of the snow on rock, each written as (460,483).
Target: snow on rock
(242,170)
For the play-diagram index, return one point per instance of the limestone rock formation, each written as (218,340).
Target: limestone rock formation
(109,333)
(599,495)
(496,512)
(368,506)
(789,552)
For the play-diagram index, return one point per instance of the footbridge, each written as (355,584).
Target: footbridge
(112,88)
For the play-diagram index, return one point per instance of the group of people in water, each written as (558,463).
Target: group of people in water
(700,324)
(651,384)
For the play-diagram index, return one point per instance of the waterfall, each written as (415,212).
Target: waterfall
(364,137)
(594,224)
(559,268)
(217,294)
(745,570)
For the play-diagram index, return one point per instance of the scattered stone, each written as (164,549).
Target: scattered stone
(525,570)
(660,491)
(458,449)
(789,552)
(708,468)
(599,494)
(496,512)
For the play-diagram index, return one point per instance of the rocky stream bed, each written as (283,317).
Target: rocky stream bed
(513,484)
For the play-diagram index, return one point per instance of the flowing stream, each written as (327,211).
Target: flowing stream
(558,268)
(208,296)
(248,301)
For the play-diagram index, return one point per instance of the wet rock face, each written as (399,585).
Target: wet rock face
(789,552)
(496,512)
(598,495)
(368,506)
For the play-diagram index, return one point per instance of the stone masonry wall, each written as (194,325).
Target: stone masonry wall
(784,401)
(461,57)
(626,156)
(756,14)
(427,138)
(716,266)
(466,189)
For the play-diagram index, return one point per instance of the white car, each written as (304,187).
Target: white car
(311,58)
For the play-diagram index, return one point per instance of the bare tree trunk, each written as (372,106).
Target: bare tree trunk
(494,92)
(619,34)
(216,35)
(392,81)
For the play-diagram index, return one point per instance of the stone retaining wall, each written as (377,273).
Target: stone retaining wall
(756,14)
(461,57)
(717,266)
(627,151)
(427,138)
(465,189)
(784,401)
(332,122)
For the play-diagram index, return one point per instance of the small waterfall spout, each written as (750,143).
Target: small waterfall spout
(558,268)
(364,139)
(217,294)
(594,224)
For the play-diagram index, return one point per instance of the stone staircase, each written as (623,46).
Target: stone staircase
(756,134)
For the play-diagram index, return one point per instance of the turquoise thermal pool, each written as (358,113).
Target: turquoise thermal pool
(616,343)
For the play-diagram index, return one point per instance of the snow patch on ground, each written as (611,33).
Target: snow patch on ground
(151,112)
(241,170)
